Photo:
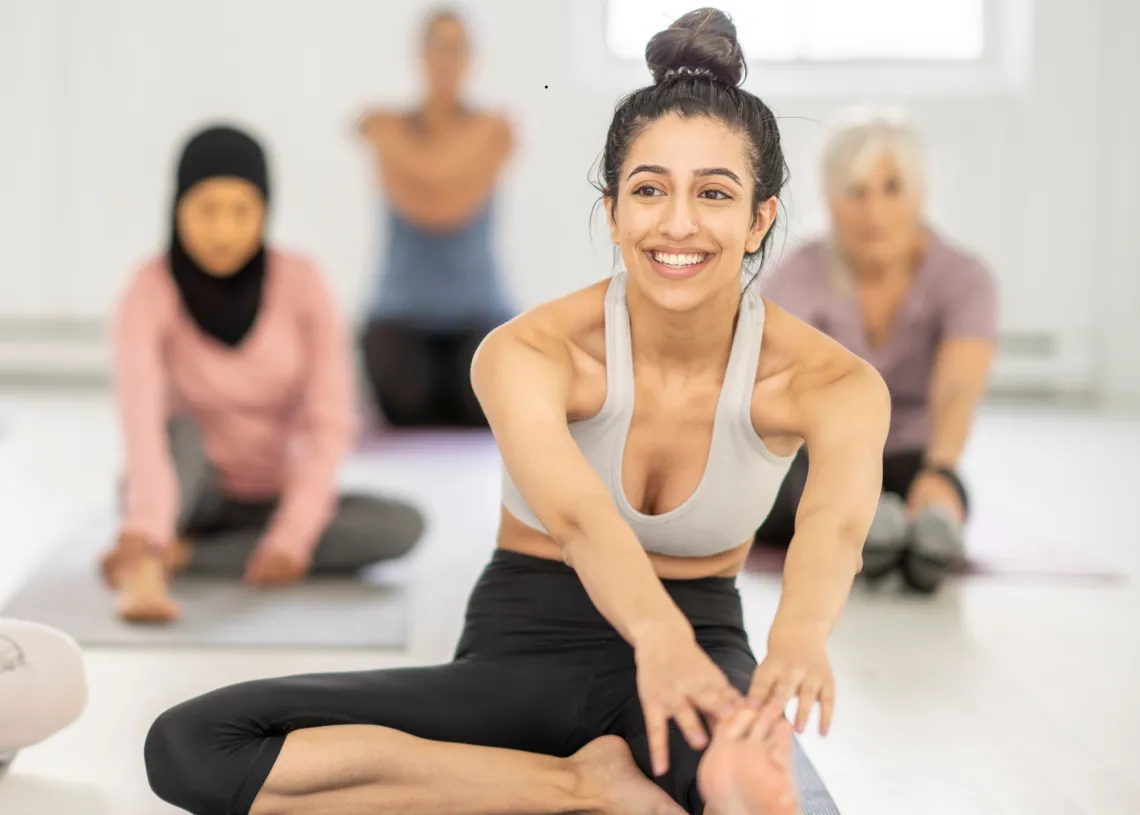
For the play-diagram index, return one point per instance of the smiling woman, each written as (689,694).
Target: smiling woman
(645,424)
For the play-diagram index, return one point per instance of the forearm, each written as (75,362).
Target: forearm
(307,506)
(952,416)
(619,577)
(823,559)
(432,169)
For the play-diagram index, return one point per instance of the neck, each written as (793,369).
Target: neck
(438,109)
(887,268)
(691,342)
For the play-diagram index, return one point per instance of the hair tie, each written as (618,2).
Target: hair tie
(684,69)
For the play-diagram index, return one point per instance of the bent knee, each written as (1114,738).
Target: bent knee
(406,526)
(43,683)
(178,765)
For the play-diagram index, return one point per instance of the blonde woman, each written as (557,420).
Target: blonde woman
(892,288)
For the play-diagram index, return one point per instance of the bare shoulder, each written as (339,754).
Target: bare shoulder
(566,335)
(805,378)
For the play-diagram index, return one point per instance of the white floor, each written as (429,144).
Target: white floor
(997,696)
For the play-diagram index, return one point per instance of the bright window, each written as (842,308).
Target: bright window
(819,30)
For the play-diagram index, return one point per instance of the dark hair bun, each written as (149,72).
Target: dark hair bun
(702,39)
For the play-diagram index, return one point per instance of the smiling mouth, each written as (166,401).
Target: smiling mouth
(679,264)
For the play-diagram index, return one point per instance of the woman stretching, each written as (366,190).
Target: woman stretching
(645,424)
(893,289)
(234,392)
(441,288)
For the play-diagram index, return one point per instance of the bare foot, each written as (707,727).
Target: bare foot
(609,775)
(140,592)
(751,774)
(180,556)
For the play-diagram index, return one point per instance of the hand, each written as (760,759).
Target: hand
(269,566)
(796,666)
(676,679)
(933,489)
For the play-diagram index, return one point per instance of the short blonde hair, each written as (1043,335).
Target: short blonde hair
(863,135)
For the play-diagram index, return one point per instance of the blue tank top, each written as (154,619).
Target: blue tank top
(441,280)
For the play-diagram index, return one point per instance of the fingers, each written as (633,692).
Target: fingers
(657,733)
(740,723)
(763,681)
(826,707)
(690,726)
(808,696)
(719,699)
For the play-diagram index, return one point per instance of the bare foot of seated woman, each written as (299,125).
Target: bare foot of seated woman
(139,574)
(747,769)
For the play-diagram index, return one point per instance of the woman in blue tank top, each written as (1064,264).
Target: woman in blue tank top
(439,290)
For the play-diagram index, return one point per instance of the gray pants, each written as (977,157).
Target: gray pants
(223,532)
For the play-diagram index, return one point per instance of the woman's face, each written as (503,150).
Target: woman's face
(682,211)
(221,222)
(445,57)
(877,219)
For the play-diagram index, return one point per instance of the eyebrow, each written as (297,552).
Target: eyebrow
(657,169)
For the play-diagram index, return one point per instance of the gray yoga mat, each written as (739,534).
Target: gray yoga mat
(814,797)
(68,593)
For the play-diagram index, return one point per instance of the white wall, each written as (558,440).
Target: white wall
(101,94)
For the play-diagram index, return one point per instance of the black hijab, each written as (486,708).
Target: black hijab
(223,307)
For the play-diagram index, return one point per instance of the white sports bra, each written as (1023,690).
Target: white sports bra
(741,477)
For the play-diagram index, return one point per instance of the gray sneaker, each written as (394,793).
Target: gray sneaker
(887,538)
(937,548)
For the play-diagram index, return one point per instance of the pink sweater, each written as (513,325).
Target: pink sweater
(276,413)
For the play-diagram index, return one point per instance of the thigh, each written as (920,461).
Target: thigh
(496,703)
(367,529)
(214,752)
(680,780)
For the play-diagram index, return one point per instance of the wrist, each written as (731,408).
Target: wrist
(652,631)
(798,628)
(939,460)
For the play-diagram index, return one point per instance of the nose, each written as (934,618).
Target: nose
(679,218)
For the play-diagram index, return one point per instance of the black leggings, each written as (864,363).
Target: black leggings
(537,669)
(899,471)
(422,378)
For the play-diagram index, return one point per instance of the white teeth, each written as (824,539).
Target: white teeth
(679,260)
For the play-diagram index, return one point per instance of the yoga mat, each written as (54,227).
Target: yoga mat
(444,441)
(814,797)
(993,549)
(68,593)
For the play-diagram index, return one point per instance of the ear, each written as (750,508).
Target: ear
(765,217)
(610,204)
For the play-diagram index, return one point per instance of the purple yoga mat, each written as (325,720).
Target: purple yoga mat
(429,442)
(994,549)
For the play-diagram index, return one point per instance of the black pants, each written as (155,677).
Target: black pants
(422,378)
(365,529)
(899,471)
(537,669)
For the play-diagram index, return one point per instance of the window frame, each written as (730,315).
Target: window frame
(1003,67)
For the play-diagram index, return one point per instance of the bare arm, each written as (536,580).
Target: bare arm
(961,371)
(840,407)
(522,377)
(413,161)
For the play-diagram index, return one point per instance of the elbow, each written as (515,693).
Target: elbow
(573,526)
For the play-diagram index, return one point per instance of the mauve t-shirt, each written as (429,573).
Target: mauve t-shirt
(953,295)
